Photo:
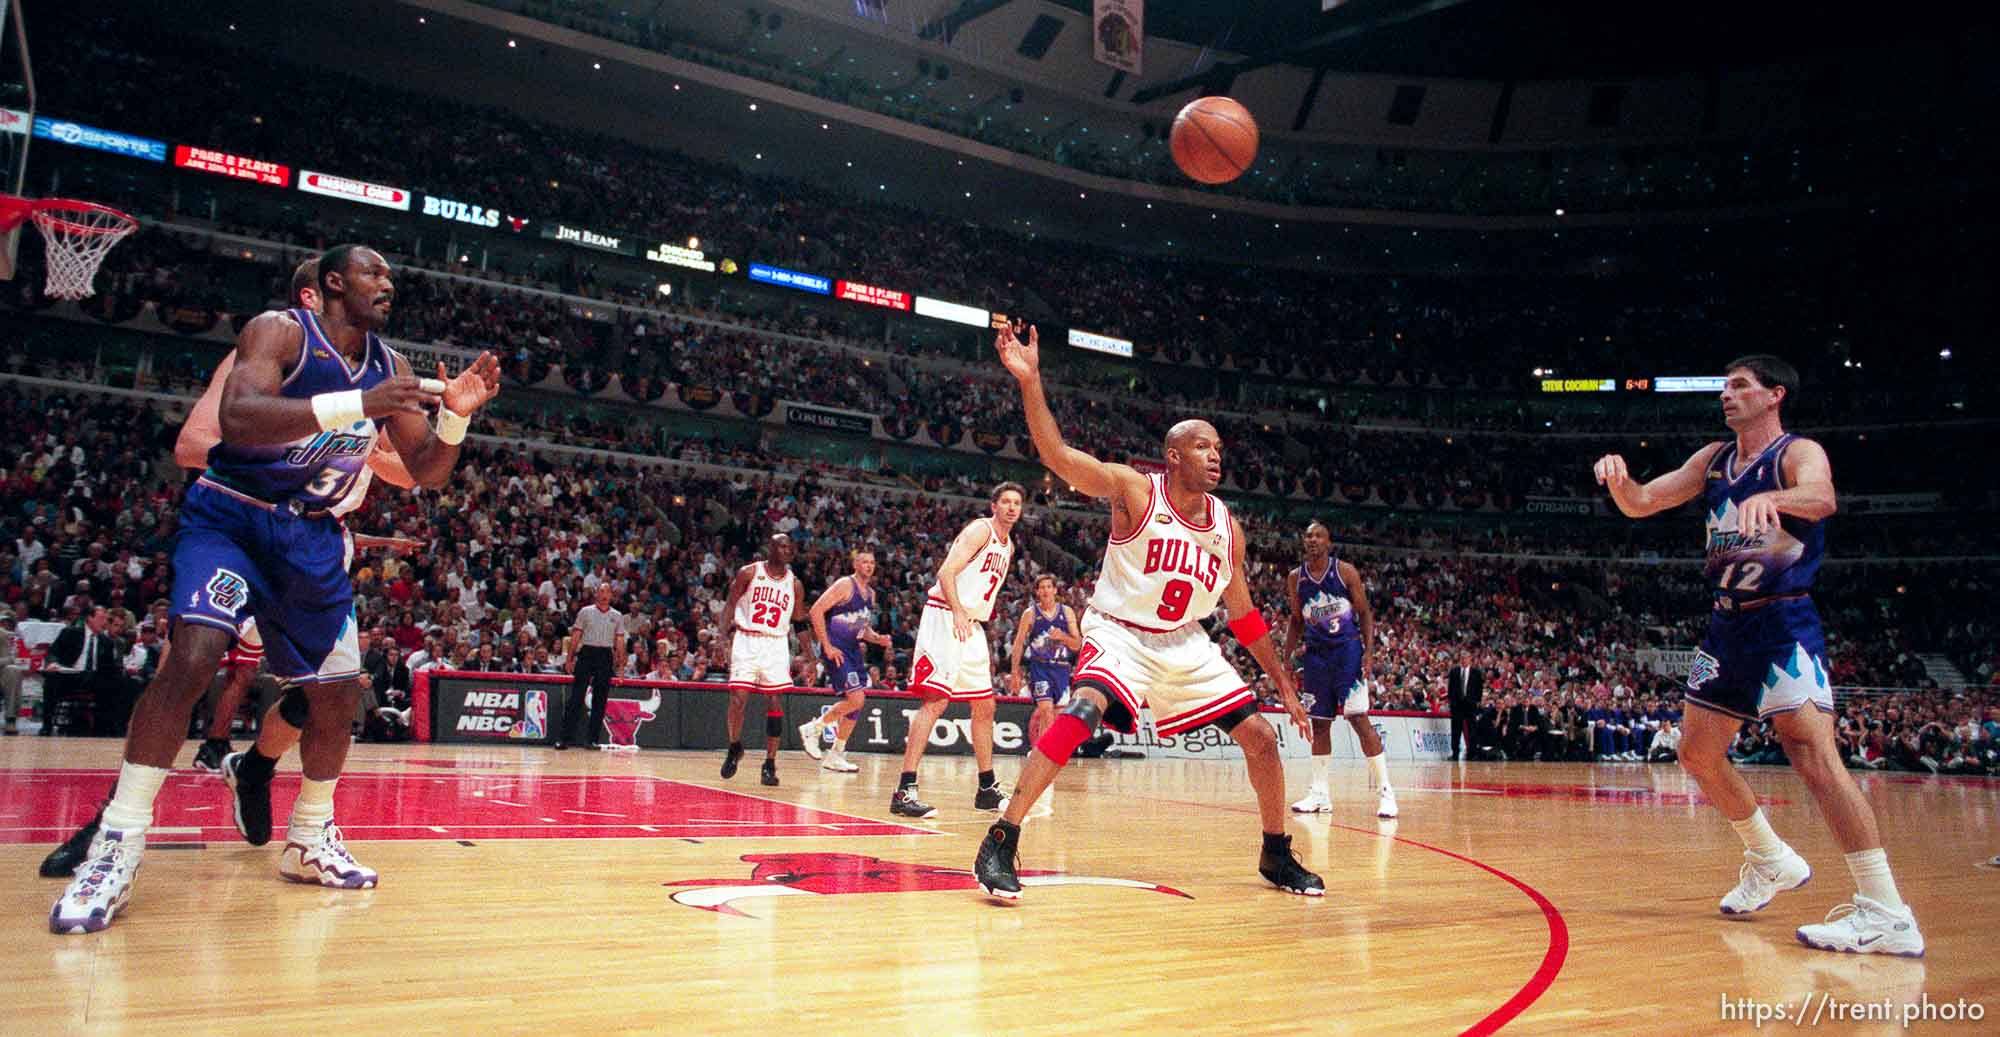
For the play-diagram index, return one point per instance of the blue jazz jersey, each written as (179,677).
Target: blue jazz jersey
(1049,659)
(1332,664)
(260,534)
(845,624)
(1764,652)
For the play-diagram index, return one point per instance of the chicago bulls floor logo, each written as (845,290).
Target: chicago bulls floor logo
(824,874)
(624,717)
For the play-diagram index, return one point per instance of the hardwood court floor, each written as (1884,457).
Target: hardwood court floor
(527,891)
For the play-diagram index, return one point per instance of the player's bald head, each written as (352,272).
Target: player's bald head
(1186,432)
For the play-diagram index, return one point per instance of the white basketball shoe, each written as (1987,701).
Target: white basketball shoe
(809,733)
(1757,882)
(318,856)
(1385,802)
(1864,926)
(837,761)
(102,886)
(1316,802)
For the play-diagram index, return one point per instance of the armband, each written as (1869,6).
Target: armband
(1249,627)
(451,426)
(338,410)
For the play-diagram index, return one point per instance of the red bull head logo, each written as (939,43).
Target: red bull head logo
(624,717)
(826,874)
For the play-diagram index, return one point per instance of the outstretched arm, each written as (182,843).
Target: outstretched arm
(1808,494)
(425,453)
(1638,500)
(253,412)
(1087,474)
(1236,596)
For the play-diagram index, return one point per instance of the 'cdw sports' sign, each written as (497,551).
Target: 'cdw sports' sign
(223,163)
(466,212)
(79,135)
(354,190)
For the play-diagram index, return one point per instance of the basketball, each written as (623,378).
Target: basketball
(1214,140)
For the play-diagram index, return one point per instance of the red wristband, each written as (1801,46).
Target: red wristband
(1249,627)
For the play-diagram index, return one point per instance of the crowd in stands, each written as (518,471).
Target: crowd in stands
(1315,326)
(521,537)
(1694,173)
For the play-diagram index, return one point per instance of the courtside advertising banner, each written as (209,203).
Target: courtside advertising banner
(348,189)
(79,135)
(236,167)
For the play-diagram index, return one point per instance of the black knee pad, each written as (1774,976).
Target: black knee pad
(293,707)
(1227,722)
(1085,710)
(774,725)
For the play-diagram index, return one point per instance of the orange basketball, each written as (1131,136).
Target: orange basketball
(1214,140)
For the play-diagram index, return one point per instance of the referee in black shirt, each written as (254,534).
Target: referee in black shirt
(595,639)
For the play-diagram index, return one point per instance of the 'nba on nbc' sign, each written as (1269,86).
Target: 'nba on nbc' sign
(354,190)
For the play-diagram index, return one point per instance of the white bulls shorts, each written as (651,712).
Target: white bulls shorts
(759,662)
(1181,673)
(958,670)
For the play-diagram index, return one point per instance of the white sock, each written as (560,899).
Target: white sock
(1321,764)
(1758,837)
(314,807)
(1870,869)
(131,807)
(1379,763)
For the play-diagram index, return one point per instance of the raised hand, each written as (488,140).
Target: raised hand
(1023,360)
(475,385)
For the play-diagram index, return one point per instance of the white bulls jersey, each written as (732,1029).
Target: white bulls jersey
(979,582)
(1169,572)
(766,605)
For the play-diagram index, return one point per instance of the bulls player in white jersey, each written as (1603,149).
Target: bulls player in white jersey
(953,663)
(765,599)
(1175,553)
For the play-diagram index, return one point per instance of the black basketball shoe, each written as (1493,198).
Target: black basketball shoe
(1281,868)
(62,861)
(994,867)
(770,776)
(253,802)
(209,756)
(731,759)
(905,804)
(989,797)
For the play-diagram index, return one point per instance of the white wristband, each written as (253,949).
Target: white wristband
(337,410)
(452,425)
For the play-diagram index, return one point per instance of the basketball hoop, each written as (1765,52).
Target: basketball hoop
(76,236)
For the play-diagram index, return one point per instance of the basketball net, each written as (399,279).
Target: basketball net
(76,237)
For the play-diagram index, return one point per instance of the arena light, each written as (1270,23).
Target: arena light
(957,313)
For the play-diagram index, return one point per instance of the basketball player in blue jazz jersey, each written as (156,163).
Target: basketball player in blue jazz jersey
(843,620)
(1048,633)
(1765,498)
(259,536)
(1330,610)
